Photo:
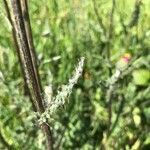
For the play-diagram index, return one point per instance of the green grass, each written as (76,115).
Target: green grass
(74,31)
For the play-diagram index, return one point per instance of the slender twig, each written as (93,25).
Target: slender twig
(134,18)
(110,30)
(118,115)
(135,14)
(100,21)
(109,37)
(29,65)
(111,83)
(124,27)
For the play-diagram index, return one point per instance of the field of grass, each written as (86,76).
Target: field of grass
(101,113)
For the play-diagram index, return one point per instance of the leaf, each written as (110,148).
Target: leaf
(136,145)
(137,120)
(141,77)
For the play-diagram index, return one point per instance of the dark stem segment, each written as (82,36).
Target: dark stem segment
(26,90)
(135,14)
(28,62)
(26,18)
(25,54)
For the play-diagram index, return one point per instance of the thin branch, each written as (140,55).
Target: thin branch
(110,29)
(100,21)
(28,65)
(111,87)
(117,117)
(134,18)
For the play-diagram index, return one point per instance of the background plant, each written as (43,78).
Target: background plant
(63,31)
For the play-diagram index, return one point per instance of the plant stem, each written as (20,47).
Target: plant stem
(110,29)
(26,90)
(99,19)
(24,41)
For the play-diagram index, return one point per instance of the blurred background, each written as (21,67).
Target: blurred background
(104,32)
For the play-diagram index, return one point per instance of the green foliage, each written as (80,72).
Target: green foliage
(141,77)
(63,31)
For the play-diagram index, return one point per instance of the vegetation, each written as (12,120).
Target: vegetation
(109,107)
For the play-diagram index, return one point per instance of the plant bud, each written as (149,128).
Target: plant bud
(123,62)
